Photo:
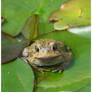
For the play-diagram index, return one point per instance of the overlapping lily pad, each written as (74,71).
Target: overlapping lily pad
(77,75)
(72,13)
(17,76)
(11,47)
(17,12)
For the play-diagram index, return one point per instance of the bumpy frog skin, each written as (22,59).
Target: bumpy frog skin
(48,55)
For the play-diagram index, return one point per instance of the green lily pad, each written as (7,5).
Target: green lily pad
(17,76)
(71,14)
(11,47)
(16,13)
(77,75)
(85,89)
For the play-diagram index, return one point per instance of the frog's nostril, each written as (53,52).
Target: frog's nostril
(45,50)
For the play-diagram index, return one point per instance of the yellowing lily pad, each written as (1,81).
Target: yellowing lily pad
(72,13)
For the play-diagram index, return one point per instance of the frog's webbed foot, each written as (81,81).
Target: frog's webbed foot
(58,69)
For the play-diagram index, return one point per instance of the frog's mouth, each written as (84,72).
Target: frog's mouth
(50,61)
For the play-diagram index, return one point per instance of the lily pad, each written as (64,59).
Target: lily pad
(11,47)
(85,89)
(71,14)
(17,12)
(77,75)
(17,76)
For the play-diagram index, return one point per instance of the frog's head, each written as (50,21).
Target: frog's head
(46,52)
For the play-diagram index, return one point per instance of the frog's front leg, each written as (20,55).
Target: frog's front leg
(59,69)
(39,69)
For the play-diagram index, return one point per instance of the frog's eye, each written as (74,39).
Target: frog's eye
(36,49)
(55,47)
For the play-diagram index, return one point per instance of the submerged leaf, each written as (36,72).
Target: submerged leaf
(17,76)
(72,13)
(11,47)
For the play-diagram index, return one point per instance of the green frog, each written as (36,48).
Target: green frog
(48,55)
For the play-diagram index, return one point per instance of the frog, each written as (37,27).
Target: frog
(47,55)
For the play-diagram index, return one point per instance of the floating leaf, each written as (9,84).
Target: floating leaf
(72,13)
(77,75)
(16,13)
(11,47)
(85,89)
(17,76)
